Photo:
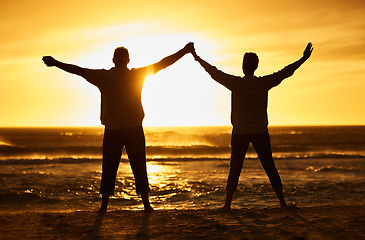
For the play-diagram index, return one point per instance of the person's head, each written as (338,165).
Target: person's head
(121,57)
(250,63)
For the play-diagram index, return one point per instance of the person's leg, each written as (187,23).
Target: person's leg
(262,146)
(239,145)
(136,150)
(112,151)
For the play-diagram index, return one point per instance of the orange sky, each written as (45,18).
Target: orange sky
(326,90)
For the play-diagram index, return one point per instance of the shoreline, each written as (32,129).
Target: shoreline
(320,222)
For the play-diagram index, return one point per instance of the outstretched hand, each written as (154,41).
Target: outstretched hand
(49,61)
(308,51)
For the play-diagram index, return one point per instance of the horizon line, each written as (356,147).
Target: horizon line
(176,126)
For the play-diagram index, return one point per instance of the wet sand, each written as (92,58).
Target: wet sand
(326,222)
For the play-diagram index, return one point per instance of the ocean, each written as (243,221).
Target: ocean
(59,169)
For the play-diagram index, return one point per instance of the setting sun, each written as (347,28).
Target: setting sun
(180,95)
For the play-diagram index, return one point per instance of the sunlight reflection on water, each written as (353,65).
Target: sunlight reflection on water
(181,184)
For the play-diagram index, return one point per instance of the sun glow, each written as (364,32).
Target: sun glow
(33,95)
(183,94)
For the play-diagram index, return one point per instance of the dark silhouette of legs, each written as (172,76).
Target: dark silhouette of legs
(112,152)
(239,146)
(114,141)
(136,150)
(262,146)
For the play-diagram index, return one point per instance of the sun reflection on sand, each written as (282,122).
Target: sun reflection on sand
(160,174)
(168,182)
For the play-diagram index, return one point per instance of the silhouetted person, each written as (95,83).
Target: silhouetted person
(122,115)
(249,117)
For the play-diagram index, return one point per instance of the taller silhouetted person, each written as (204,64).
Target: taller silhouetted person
(122,114)
(249,117)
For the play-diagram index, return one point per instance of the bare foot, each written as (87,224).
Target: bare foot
(102,209)
(104,204)
(148,209)
(225,208)
(289,207)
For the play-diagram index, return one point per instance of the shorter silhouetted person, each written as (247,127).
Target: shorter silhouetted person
(249,117)
(122,115)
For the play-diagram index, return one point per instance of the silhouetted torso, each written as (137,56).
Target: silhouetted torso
(121,89)
(249,104)
(249,98)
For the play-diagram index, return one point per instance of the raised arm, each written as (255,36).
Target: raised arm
(290,69)
(219,76)
(50,62)
(276,78)
(169,60)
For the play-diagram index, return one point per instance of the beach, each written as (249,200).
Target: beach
(50,181)
(322,222)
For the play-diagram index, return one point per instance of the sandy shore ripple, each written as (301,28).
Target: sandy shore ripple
(326,222)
